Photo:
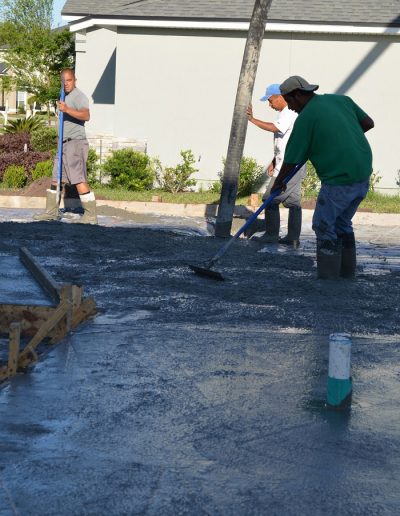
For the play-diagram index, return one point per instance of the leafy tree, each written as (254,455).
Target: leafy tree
(34,53)
(28,13)
(5,87)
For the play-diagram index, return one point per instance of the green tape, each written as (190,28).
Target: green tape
(339,392)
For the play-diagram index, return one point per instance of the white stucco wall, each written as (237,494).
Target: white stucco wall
(94,49)
(176,89)
(364,68)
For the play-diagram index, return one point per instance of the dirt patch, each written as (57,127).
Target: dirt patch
(308,204)
(37,188)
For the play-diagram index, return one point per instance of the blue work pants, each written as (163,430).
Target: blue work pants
(335,208)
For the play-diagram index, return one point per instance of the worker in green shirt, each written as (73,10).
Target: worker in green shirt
(329,132)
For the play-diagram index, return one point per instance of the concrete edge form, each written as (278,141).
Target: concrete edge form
(189,210)
(38,323)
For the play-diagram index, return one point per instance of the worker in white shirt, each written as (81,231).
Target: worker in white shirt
(291,197)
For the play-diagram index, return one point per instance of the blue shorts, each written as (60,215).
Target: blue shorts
(336,206)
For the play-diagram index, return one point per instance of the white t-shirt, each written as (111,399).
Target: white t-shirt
(284,123)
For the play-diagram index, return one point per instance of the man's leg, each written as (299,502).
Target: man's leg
(52,211)
(291,199)
(344,229)
(76,157)
(88,201)
(336,206)
(329,251)
(272,220)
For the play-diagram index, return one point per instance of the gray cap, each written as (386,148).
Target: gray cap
(295,82)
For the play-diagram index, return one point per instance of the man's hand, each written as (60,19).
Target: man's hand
(250,112)
(62,106)
(270,169)
(367,124)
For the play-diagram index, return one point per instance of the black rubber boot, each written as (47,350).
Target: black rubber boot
(294,228)
(272,225)
(257,227)
(349,261)
(329,258)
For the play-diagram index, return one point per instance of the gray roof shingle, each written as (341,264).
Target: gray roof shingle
(365,12)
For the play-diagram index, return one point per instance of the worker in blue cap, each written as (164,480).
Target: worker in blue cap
(291,197)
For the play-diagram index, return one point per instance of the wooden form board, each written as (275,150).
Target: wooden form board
(42,277)
(41,322)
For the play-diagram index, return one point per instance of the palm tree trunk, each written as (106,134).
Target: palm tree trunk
(239,122)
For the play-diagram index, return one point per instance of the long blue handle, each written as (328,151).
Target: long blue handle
(253,217)
(60,145)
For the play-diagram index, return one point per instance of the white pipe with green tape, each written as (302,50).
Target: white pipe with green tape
(339,389)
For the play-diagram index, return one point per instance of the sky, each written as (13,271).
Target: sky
(58,5)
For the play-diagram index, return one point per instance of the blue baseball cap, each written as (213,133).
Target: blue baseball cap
(272,89)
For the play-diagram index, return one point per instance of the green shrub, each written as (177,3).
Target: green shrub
(130,169)
(311,184)
(373,181)
(92,166)
(177,179)
(14,176)
(251,176)
(215,187)
(23,125)
(42,169)
(44,139)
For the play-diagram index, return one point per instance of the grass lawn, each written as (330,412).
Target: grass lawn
(179,198)
(376,202)
(381,203)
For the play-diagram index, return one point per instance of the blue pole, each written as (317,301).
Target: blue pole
(60,145)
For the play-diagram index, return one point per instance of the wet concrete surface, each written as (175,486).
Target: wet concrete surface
(17,285)
(189,396)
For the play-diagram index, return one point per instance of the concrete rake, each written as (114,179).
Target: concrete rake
(205,269)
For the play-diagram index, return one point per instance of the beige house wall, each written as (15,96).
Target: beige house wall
(175,89)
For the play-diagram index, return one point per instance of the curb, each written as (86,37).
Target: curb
(189,210)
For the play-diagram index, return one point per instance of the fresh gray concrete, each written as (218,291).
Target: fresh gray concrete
(188,396)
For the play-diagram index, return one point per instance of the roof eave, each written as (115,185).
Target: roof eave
(89,21)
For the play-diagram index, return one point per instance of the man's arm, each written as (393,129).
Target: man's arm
(367,123)
(267,126)
(80,114)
